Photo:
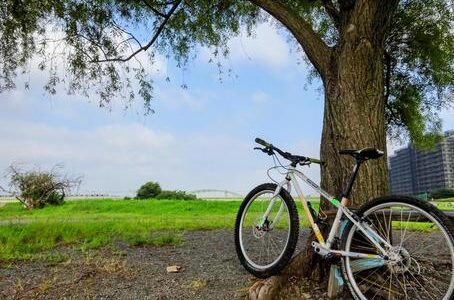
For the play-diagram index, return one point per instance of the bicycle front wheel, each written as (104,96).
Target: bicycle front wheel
(266,230)
(420,261)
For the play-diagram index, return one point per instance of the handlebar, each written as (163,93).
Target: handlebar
(295,159)
(263,143)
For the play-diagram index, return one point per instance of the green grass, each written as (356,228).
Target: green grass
(88,224)
(414,226)
(447,204)
(27,241)
(94,224)
(155,214)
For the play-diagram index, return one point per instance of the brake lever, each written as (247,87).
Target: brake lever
(264,150)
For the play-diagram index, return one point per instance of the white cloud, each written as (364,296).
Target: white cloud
(266,47)
(182,98)
(117,158)
(260,97)
(110,156)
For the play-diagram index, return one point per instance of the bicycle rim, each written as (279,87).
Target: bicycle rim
(423,255)
(263,247)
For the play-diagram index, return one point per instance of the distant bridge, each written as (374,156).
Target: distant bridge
(218,193)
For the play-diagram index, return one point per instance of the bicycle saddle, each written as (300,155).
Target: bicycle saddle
(363,154)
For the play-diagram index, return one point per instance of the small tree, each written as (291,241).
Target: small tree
(36,188)
(149,190)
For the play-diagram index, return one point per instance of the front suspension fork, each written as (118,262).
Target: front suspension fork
(271,205)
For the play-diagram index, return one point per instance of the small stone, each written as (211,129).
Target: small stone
(173,269)
(306,296)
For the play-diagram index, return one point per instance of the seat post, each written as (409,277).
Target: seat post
(349,186)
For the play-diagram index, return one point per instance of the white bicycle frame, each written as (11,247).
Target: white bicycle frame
(324,247)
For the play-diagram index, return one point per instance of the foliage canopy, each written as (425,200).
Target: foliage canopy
(91,46)
(149,190)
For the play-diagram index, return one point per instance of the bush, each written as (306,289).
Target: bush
(443,193)
(149,190)
(36,188)
(176,195)
(56,198)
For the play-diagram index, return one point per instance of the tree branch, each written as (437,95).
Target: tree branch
(316,50)
(387,75)
(153,9)
(393,115)
(388,69)
(150,43)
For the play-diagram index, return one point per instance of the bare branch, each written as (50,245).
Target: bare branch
(150,43)
(315,48)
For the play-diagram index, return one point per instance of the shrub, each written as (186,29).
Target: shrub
(176,195)
(36,188)
(442,193)
(149,190)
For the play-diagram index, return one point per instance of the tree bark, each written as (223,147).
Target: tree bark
(354,113)
(354,118)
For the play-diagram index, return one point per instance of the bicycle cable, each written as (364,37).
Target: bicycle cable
(277,166)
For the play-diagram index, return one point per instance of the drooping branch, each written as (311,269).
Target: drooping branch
(150,43)
(315,48)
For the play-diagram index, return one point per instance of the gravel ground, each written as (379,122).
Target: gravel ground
(210,270)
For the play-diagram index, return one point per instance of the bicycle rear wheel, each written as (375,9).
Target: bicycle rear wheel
(420,263)
(266,244)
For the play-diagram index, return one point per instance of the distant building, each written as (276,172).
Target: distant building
(417,171)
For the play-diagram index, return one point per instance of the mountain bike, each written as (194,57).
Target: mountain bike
(393,247)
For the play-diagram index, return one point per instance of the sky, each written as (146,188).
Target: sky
(201,137)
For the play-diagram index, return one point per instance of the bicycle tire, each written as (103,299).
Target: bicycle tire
(282,261)
(446,228)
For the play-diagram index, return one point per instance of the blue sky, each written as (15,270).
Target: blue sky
(199,138)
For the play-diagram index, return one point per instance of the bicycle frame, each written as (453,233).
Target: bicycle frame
(324,247)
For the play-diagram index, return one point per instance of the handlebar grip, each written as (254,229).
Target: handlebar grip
(263,143)
(316,161)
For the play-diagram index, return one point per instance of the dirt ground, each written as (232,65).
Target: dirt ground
(210,270)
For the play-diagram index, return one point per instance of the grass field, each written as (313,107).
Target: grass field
(88,224)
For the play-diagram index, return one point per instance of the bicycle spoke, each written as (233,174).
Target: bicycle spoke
(406,227)
(264,239)
(419,264)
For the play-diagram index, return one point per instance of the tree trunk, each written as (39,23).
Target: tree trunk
(354,114)
(354,118)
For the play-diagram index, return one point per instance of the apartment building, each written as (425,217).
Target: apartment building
(420,171)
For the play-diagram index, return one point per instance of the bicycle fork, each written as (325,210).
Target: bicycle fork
(271,205)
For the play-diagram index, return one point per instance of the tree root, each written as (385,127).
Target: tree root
(267,289)
(306,264)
